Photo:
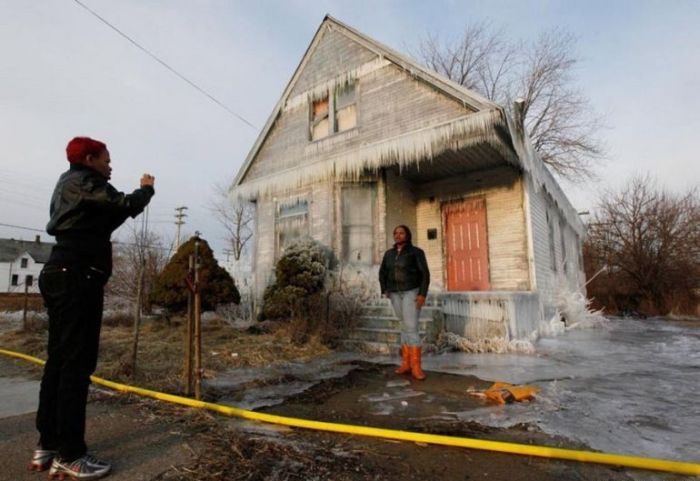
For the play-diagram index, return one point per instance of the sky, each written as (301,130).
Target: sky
(64,73)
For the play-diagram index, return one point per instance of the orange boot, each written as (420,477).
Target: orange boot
(415,362)
(405,360)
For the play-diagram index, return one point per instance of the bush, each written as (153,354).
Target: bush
(300,275)
(312,299)
(216,285)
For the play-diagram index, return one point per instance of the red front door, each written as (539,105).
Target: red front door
(466,243)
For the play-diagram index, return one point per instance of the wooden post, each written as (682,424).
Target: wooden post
(137,318)
(197,324)
(26,302)
(190,327)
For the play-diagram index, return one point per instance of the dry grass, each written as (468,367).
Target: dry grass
(161,353)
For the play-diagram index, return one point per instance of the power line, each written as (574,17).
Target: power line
(118,242)
(21,227)
(155,57)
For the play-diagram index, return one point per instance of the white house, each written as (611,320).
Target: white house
(20,264)
(363,138)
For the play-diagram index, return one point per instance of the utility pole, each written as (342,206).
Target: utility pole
(179,222)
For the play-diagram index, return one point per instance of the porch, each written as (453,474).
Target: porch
(473,315)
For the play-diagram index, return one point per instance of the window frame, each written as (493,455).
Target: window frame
(371,187)
(331,96)
(281,217)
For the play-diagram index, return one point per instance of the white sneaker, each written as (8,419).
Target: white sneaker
(84,468)
(42,459)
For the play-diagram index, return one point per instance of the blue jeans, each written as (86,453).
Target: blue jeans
(404,303)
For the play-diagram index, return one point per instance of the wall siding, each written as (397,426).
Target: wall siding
(389,102)
(401,203)
(549,281)
(263,267)
(334,53)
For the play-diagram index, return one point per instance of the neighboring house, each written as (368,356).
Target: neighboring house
(20,264)
(364,138)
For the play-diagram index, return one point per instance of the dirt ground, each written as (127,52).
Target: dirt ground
(149,440)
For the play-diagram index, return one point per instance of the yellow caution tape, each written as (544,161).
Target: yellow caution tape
(497,446)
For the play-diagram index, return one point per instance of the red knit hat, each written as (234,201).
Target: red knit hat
(80,147)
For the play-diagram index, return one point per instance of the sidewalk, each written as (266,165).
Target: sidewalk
(139,445)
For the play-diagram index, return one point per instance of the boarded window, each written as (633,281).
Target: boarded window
(320,119)
(345,110)
(292,224)
(358,215)
(333,113)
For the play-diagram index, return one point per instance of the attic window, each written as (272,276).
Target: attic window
(319,119)
(333,114)
(23,263)
(345,111)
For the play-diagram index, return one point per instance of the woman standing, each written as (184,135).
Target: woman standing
(404,278)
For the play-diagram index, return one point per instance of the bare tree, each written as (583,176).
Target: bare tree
(235,216)
(147,250)
(558,117)
(650,241)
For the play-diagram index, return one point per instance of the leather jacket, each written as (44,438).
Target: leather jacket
(404,270)
(85,210)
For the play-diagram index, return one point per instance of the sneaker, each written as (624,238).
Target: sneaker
(84,468)
(41,459)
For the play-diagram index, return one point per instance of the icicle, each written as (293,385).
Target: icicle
(321,90)
(405,150)
(492,345)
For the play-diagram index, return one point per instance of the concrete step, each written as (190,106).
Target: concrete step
(387,322)
(390,336)
(370,347)
(388,310)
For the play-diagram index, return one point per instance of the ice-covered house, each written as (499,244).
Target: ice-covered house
(363,138)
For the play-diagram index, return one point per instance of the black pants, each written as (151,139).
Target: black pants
(74,299)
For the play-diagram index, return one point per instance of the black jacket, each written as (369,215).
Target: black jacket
(404,270)
(85,210)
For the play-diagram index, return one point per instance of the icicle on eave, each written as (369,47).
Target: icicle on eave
(405,150)
(320,91)
(542,178)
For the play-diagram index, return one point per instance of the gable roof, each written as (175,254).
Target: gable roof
(468,98)
(11,249)
(479,126)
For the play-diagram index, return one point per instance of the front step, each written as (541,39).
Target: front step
(378,329)
(387,336)
(370,347)
(387,322)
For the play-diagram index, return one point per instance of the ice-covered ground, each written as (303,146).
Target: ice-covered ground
(629,387)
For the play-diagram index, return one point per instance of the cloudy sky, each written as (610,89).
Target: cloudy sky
(64,73)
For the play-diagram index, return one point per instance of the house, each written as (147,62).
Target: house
(364,138)
(20,264)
